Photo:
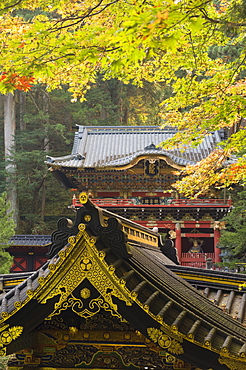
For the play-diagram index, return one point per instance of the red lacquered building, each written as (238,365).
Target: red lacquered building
(126,171)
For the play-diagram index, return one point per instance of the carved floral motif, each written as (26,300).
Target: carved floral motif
(7,336)
(164,341)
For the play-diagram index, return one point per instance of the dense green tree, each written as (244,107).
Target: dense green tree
(45,123)
(111,102)
(7,230)
(233,241)
(45,120)
(170,42)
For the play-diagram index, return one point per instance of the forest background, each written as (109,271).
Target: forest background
(45,125)
(181,62)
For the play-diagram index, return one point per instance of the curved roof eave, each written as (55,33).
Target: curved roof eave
(130,160)
(114,146)
(137,286)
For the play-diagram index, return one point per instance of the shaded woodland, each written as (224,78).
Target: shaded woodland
(45,125)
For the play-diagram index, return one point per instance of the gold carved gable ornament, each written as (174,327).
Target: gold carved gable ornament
(81,260)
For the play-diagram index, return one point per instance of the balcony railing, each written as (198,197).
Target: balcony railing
(136,203)
(197,260)
(202,202)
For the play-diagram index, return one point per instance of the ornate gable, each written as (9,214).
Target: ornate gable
(105,302)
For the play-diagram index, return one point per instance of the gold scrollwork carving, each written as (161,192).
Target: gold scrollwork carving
(77,306)
(84,261)
(170,358)
(233,364)
(164,341)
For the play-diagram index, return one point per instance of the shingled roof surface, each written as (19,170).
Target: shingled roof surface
(30,240)
(112,146)
(161,292)
(153,299)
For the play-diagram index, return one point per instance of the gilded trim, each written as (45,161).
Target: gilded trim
(207,279)
(135,161)
(82,260)
(233,363)
(164,341)
(7,336)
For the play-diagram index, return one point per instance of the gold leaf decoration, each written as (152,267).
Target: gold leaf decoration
(2,352)
(176,348)
(7,336)
(154,334)
(16,331)
(83,198)
(164,341)
(85,293)
(232,364)
(170,358)
(84,262)
(3,327)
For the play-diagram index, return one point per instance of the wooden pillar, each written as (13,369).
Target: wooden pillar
(216,241)
(178,244)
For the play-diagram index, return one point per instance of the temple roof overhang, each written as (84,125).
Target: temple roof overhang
(131,281)
(118,147)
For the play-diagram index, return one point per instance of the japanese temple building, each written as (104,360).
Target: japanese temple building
(108,290)
(29,252)
(126,171)
(111,296)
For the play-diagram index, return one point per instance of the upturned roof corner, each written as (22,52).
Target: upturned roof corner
(103,265)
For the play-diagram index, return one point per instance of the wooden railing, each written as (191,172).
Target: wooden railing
(114,202)
(197,260)
(104,202)
(202,202)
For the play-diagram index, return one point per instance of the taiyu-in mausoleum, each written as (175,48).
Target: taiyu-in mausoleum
(126,171)
(106,299)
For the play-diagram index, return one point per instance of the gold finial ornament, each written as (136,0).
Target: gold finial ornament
(83,198)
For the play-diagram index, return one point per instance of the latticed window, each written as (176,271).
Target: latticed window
(125,181)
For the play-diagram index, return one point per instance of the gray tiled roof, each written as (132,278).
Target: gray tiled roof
(30,240)
(106,146)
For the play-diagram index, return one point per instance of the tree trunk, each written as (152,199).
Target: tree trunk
(46,112)
(46,149)
(9,144)
(22,100)
(43,202)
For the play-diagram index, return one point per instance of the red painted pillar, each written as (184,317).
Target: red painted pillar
(178,244)
(216,241)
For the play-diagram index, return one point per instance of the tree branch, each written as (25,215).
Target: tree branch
(80,19)
(222,22)
(12,6)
